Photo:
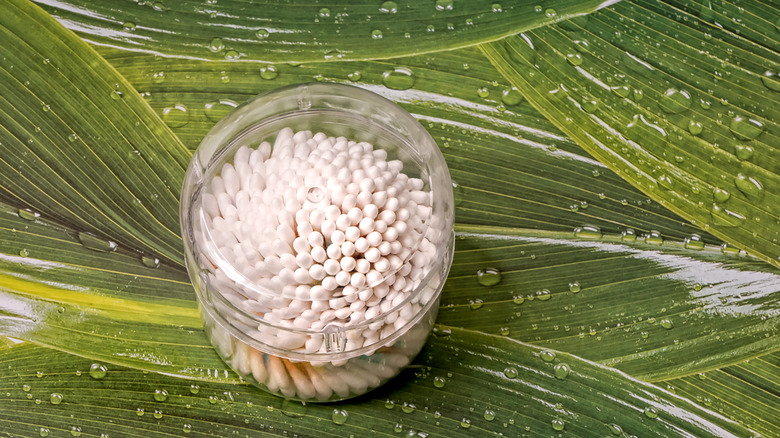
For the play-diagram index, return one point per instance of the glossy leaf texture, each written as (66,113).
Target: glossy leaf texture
(465,384)
(682,105)
(511,167)
(116,307)
(653,309)
(79,145)
(295,30)
(700,309)
(746,392)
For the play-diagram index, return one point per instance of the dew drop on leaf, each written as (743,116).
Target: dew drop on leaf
(488,277)
(746,128)
(510,372)
(339,416)
(547,355)
(558,424)
(269,72)
(55,398)
(389,7)
(444,5)
(98,371)
(399,78)
(588,232)
(749,186)
(216,45)
(694,242)
(561,371)
(160,395)
(176,116)
(675,101)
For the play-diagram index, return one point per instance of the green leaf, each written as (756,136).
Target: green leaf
(511,167)
(117,307)
(746,392)
(464,384)
(79,145)
(683,107)
(114,308)
(654,310)
(304,30)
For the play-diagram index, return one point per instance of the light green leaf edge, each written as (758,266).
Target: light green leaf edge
(586,76)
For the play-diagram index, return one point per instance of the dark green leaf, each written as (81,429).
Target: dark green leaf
(465,384)
(287,31)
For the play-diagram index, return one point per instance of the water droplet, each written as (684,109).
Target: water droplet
(186,428)
(157,414)
(550,13)
(644,335)
(489,415)
(39,374)
(262,33)
(376,34)
(496,7)
(90,241)
(150,262)
(654,238)
(324,12)
(574,59)
(354,76)
(44,432)
(24,252)
(408,408)
(511,96)
(575,287)
(194,389)
(465,423)
(398,427)
(667,323)
(622,90)
(439,382)
(175,116)
(651,413)
(339,416)
(675,101)
(216,45)
(475,304)
(28,215)
(749,186)
(98,371)
(725,217)
(543,295)
(547,355)
(483,92)
(26,388)
(444,5)
(558,424)
(504,331)
(769,78)
(55,398)
(615,429)
(628,235)
(75,431)
(517,299)
(158,77)
(561,371)
(665,182)
(140,412)
(389,7)
(588,232)
(294,409)
(45,107)
(215,111)
(510,372)
(268,72)
(160,395)
(694,242)
(399,78)
(589,103)
(232,55)
(720,195)
(746,129)
(744,152)
(488,276)
(695,127)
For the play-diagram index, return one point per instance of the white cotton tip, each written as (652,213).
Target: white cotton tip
(318,254)
(348,249)
(342,278)
(334,251)
(348,265)
(362,266)
(352,234)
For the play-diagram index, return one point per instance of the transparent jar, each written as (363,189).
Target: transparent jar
(270,313)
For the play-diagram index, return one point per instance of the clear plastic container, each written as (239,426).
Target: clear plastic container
(258,322)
